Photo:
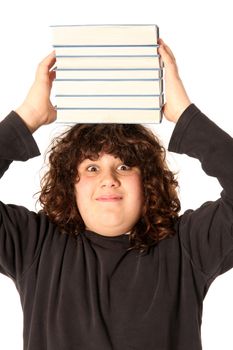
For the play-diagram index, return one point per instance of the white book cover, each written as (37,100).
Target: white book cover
(128,34)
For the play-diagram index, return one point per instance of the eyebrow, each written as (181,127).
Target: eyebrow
(98,160)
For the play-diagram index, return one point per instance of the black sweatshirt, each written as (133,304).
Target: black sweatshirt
(96,295)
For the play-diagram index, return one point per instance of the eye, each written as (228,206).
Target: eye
(92,168)
(124,167)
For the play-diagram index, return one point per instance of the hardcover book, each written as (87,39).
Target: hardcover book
(108,74)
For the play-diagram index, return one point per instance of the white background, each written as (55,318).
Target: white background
(200,35)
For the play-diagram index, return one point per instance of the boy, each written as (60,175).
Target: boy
(136,274)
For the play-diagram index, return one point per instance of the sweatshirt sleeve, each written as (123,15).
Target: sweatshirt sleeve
(16,141)
(206,233)
(19,227)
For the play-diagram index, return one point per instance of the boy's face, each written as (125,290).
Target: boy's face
(109,195)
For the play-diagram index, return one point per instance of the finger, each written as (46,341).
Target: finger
(160,41)
(53,111)
(167,48)
(47,63)
(49,60)
(164,108)
(169,63)
(52,75)
(166,54)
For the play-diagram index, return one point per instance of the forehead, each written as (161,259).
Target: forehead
(126,155)
(101,157)
(104,157)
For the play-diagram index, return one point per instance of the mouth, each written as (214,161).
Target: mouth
(112,198)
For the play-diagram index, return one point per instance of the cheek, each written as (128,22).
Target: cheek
(83,190)
(136,187)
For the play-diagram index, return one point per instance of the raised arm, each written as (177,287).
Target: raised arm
(21,231)
(205,234)
(37,109)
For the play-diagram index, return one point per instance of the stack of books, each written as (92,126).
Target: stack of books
(108,73)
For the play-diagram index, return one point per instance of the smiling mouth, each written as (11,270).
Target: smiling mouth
(109,198)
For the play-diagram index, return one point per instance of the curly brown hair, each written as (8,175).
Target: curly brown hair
(135,145)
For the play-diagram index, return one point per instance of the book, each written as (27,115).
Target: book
(109,61)
(108,73)
(117,87)
(69,73)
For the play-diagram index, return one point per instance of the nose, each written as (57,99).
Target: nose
(109,179)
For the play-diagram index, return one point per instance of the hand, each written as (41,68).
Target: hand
(37,109)
(177,99)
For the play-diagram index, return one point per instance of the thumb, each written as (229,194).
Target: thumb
(168,58)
